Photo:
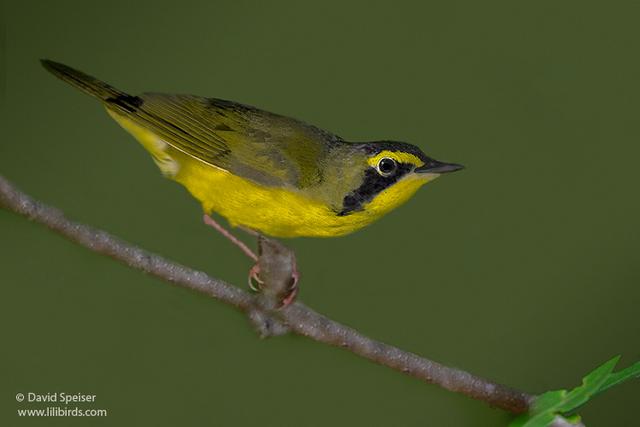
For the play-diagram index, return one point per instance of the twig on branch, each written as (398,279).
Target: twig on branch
(296,318)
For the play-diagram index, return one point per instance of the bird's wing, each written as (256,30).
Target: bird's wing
(267,148)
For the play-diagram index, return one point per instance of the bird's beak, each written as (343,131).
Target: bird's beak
(434,166)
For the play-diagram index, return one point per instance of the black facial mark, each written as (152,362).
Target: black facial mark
(372,185)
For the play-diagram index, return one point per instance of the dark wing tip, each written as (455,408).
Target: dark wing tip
(53,66)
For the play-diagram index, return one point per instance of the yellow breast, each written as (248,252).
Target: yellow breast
(278,212)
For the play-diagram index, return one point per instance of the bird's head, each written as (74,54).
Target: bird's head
(393,172)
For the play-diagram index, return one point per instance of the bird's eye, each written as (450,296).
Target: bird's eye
(387,166)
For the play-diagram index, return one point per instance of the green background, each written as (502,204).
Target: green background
(523,268)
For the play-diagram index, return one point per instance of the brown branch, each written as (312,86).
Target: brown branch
(296,318)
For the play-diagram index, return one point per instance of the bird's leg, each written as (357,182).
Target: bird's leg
(239,243)
(255,282)
(278,267)
(249,231)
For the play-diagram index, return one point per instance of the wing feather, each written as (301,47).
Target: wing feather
(262,146)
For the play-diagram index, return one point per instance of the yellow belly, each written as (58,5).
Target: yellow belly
(274,211)
(278,212)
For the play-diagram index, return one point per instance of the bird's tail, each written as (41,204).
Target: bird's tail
(110,96)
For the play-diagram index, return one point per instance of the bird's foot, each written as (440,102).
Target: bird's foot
(288,297)
(281,271)
(293,289)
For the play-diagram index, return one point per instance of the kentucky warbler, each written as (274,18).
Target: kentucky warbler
(263,171)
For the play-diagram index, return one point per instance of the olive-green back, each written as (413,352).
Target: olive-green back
(265,147)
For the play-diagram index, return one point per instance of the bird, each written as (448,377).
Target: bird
(264,172)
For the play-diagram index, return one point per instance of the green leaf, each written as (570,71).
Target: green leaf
(555,403)
(591,384)
(540,420)
(548,401)
(574,419)
(616,378)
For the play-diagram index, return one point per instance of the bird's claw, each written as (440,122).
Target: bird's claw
(290,297)
(255,282)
